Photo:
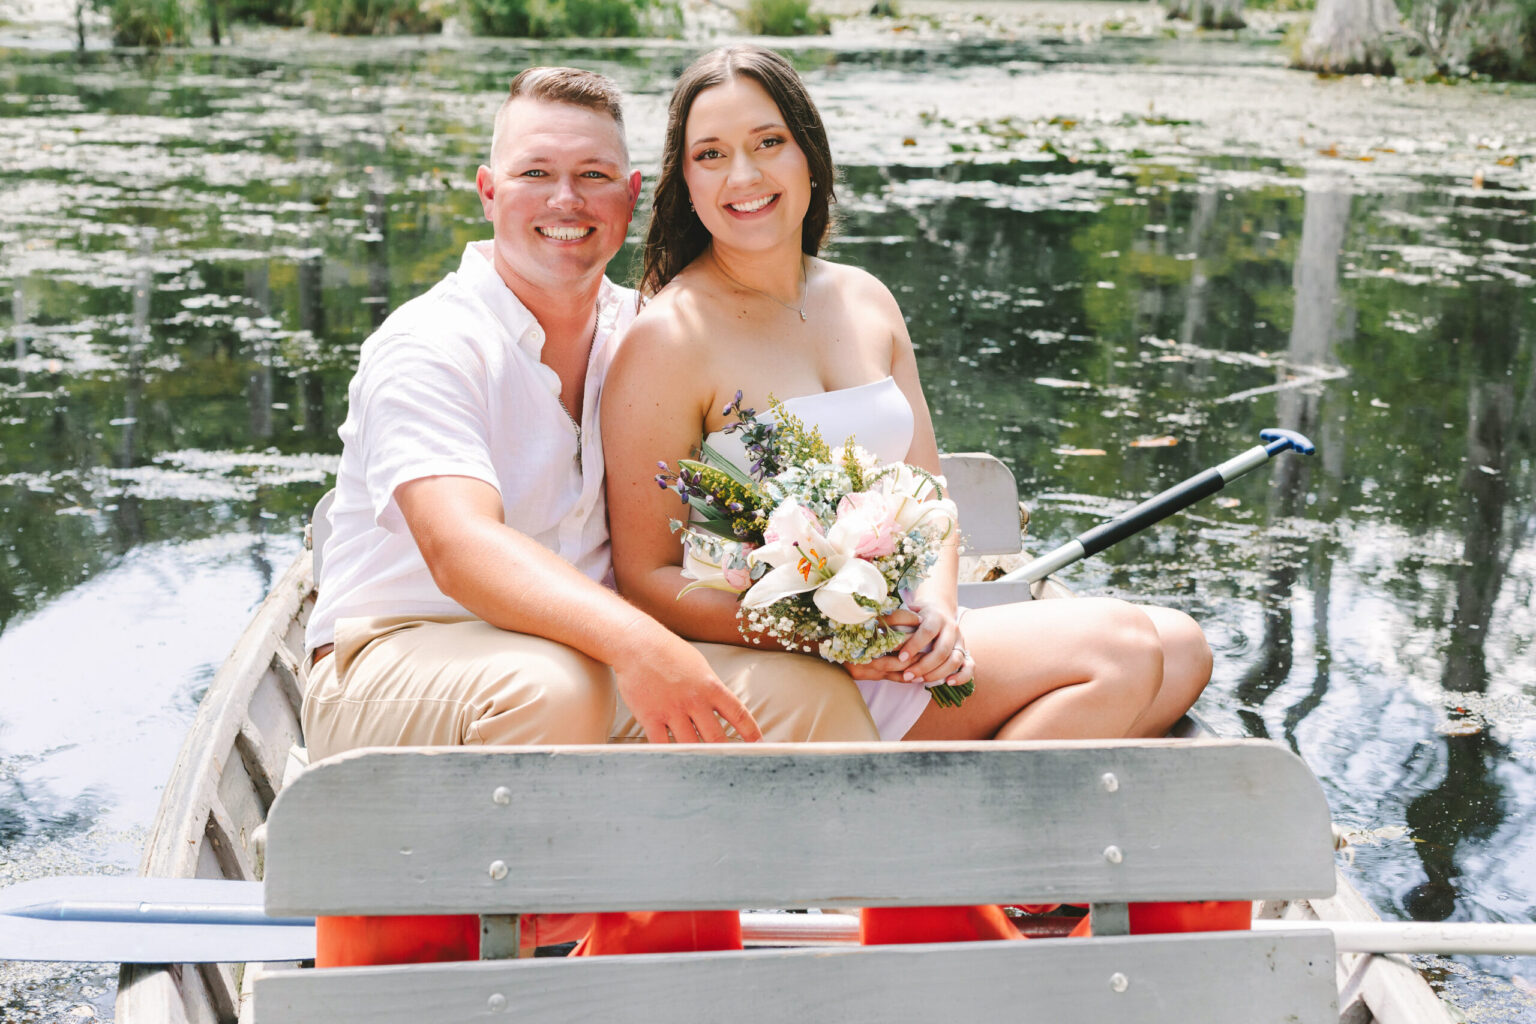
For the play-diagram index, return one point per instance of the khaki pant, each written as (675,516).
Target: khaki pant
(434,682)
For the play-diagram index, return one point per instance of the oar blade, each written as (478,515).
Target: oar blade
(124,943)
(51,919)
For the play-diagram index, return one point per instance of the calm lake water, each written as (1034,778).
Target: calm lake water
(1120,260)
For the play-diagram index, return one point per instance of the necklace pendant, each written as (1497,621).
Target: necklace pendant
(802,315)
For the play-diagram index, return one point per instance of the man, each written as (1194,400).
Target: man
(464,597)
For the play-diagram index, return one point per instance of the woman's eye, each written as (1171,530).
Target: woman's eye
(709,154)
(772,140)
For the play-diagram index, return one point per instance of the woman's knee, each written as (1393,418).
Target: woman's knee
(1131,653)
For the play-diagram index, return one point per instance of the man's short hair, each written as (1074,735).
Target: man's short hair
(564,85)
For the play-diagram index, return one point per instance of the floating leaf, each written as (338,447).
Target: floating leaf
(1228,502)
(1079,451)
(1057,382)
(1166,441)
(1371,836)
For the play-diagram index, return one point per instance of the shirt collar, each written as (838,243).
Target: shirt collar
(479,273)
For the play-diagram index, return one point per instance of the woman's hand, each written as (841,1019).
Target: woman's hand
(934,653)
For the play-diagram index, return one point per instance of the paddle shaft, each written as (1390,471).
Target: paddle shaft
(1157,508)
(235,929)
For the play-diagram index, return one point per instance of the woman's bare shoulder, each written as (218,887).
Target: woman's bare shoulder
(668,328)
(856,282)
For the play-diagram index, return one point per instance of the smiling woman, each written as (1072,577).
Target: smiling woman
(747,152)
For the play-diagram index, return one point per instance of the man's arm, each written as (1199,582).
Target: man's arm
(517,584)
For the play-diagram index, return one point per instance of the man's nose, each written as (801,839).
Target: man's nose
(566,195)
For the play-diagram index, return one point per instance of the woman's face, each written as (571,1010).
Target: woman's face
(746,175)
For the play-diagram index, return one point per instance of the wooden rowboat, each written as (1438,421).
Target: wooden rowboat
(246,742)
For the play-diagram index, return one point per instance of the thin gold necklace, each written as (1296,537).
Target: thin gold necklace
(805,290)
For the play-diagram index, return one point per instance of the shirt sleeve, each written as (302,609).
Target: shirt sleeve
(423,412)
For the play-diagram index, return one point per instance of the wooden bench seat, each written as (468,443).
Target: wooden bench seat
(506,832)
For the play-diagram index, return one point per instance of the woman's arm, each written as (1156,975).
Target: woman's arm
(936,599)
(656,401)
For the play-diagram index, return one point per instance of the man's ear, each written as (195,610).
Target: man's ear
(486,186)
(634,193)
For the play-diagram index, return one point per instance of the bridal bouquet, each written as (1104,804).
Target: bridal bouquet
(819,543)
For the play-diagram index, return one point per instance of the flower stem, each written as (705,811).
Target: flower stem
(946,696)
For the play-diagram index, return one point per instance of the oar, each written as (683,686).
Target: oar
(1155,509)
(132,920)
(181,920)
(1456,937)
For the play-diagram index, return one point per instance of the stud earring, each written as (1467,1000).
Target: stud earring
(813,183)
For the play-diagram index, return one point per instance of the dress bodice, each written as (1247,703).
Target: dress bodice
(876,415)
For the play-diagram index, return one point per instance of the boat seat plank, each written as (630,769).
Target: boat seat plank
(987,496)
(829,825)
(1187,979)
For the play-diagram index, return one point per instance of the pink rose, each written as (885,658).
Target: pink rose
(867,521)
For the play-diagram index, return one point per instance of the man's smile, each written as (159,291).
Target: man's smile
(565,234)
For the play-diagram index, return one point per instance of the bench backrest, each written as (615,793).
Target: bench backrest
(831,825)
(497,832)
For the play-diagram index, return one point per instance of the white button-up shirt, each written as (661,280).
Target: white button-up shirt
(451,385)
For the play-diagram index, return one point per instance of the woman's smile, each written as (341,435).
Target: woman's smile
(751,206)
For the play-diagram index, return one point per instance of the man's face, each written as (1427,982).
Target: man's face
(560,194)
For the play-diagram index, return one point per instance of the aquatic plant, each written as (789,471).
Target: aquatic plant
(374,17)
(784,18)
(1209,13)
(149,23)
(1423,38)
(1466,37)
(588,19)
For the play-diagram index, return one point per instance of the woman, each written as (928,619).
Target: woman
(739,300)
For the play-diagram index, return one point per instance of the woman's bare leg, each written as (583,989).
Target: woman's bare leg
(1186,670)
(1081,669)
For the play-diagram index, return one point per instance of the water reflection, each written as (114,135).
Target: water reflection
(1076,281)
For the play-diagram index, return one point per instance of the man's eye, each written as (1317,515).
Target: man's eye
(597,175)
(535,173)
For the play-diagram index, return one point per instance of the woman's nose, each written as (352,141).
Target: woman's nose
(744,170)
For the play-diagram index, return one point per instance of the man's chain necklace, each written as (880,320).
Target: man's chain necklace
(596,319)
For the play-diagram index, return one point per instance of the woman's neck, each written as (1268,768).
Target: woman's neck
(778,273)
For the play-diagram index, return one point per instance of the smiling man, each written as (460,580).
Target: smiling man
(466,594)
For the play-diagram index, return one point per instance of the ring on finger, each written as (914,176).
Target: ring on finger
(964,654)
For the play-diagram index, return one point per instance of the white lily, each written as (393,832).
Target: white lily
(805,559)
(911,489)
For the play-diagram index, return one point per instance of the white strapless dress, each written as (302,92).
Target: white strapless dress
(879,419)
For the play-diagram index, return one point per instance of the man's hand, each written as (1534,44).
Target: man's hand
(675,696)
